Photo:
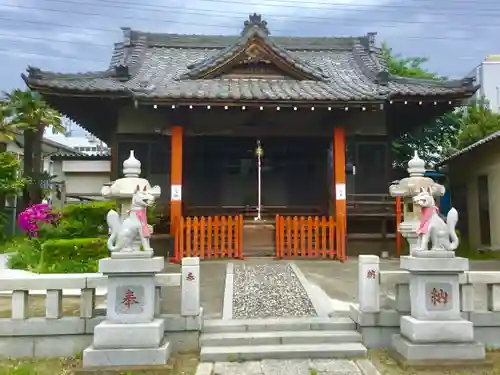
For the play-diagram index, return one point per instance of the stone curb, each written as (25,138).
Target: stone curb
(227,308)
(315,299)
(367,367)
(204,368)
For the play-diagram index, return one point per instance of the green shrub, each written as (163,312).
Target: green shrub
(82,220)
(78,255)
(27,254)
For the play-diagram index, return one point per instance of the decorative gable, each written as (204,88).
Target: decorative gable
(254,55)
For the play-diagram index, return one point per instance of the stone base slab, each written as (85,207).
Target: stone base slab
(436,331)
(433,254)
(93,357)
(109,335)
(438,352)
(128,266)
(434,265)
(132,254)
(442,365)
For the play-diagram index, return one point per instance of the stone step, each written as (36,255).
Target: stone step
(292,351)
(278,338)
(283,324)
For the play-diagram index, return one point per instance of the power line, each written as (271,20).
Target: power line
(336,5)
(51,56)
(233,27)
(383,8)
(16,36)
(115,31)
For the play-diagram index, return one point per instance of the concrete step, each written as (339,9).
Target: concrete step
(278,338)
(283,324)
(292,351)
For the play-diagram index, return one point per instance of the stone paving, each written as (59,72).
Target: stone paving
(337,280)
(295,367)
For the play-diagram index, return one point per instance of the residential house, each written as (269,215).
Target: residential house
(474,174)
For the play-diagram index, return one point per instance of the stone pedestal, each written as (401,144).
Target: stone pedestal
(435,331)
(130,335)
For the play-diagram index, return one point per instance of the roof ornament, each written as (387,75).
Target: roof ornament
(382,77)
(122,72)
(34,72)
(371,40)
(255,20)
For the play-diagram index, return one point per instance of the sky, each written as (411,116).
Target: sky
(78,35)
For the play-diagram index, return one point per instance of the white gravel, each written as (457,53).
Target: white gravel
(269,291)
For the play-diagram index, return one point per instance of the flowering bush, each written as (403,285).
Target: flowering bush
(30,219)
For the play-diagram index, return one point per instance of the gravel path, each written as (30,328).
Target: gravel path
(269,291)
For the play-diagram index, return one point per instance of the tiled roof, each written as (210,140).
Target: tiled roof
(485,140)
(172,67)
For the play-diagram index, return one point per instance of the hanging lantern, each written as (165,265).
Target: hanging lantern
(259,151)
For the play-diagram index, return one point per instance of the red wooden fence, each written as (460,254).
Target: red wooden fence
(311,237)
(208,237)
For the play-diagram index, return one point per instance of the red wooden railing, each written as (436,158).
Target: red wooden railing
(208,237)
(311,237)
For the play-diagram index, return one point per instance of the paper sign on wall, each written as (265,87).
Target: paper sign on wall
(176,192)
(340,192)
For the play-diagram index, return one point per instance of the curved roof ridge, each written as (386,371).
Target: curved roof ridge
(135,56)
(37,73)
(201,41)
(455,83)
(364,62)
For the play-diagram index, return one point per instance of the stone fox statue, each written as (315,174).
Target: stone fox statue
(433,227)
(123,234)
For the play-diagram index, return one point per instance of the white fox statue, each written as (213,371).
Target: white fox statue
(123,234)
(432,226)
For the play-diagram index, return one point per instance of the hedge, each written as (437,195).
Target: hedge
(78,255)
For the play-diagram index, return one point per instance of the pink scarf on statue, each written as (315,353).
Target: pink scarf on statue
(142,216)
(425,219)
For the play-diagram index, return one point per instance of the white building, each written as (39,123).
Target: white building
(88,145)
(488,76)
(81,176)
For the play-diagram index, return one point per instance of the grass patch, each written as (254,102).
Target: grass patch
(52,366)
(388,366)
(182,364)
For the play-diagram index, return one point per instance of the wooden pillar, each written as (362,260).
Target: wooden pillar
(339,174)
(176,177)
(114,157)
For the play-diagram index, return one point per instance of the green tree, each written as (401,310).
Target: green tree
(32,114)
(406,66)
(433,138)
(476,122)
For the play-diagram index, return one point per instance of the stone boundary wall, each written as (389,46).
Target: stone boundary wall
(384,296)
(56,335)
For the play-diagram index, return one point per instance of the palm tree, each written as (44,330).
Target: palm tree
(7,128)
(32,114)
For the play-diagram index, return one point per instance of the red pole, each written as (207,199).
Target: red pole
(398,221)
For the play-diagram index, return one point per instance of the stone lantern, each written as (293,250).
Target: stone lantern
(132,333)
(123,189)
(409,187)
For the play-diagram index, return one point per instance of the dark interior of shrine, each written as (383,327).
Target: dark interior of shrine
(222,173)
(220,176)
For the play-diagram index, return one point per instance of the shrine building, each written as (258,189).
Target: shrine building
(193,107)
